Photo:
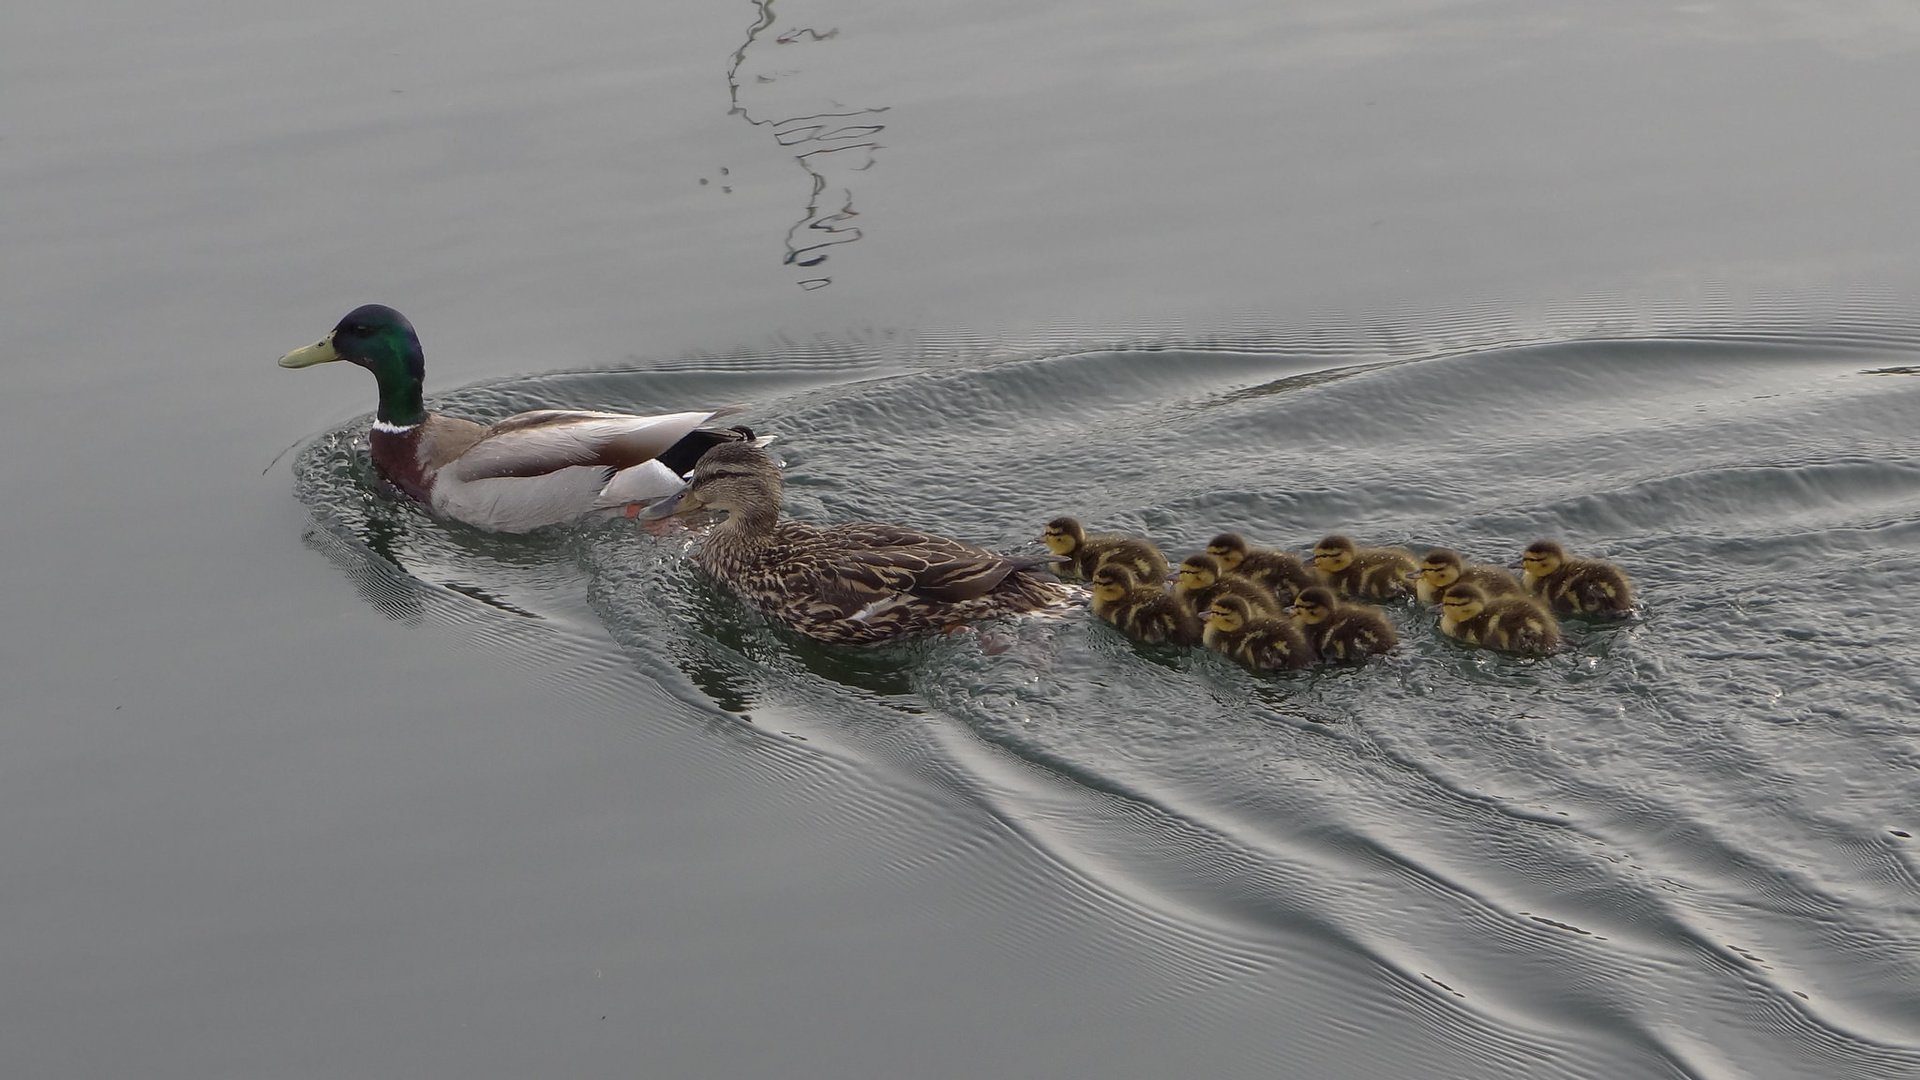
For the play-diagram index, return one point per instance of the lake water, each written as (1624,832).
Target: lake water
(297,781)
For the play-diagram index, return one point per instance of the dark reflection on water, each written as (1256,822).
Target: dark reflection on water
(1679,847)
(833,142)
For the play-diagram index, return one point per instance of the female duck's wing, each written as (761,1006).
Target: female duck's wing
(537,443)
(891,559)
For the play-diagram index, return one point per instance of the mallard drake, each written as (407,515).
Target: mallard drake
(1363,573)
(1066,537)
(1142,610)
(1341,631)
(528,470)
(1443,567)
(1261,643)
(1569,586)
(858,584)
(1201,578)
(1512,623)
(1276,571)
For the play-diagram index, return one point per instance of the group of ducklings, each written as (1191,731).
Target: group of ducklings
(1269,610)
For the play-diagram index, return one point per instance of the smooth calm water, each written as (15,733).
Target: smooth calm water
(297,781)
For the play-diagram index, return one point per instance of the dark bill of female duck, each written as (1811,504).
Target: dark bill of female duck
(520,473)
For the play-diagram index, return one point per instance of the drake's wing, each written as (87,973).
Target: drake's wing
(541,442)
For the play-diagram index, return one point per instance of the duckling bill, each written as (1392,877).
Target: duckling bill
(860,583)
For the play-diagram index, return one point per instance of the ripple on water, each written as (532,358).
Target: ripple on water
(1680,847)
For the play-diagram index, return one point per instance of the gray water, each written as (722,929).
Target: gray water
(297,781)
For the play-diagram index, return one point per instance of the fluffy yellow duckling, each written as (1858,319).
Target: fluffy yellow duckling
(1276,571)
(1442,568)
(1512,623)
(1263,644)
(1064,536)
(1569,586)
(1141,610)
(1363,573)
(1202,578)
(1341,631)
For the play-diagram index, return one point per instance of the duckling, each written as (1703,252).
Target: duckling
(1263,644)
(1340,631)
(1065,537)
(1141,610)
(1363,573)
(1512,623)
(1277,571)
(1202,578)
(1569,586)
(1443,567)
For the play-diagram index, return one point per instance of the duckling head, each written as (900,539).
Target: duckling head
(1541,558)
(1313,605)
(1063,535)
(1462,602)
(736,477)
(1112,582)
(1229,613)
(1333,554)
(1198,572)
(1229,548)
(1440,568)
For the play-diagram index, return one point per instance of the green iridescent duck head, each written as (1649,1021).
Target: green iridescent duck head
(380,339)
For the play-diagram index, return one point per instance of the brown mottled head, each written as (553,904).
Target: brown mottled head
(737,477)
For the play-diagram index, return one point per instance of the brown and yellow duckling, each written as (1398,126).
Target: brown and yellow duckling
(1067,538)
(856,584)
(1569,586)
(1259,642)
(1443,568)
(1512,623)
(1363,573)
(1341,631)
(1142,610)
(1276,571)
(1202,578)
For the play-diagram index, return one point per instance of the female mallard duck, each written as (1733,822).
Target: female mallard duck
(1512,623)
(1276,571)
(1065,537)
(1201,579)
(1363,573)
(1575,586)
(855,584)
(1443,567)
(1142,610)
(1341,631)
(528,470)
(1261,643)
